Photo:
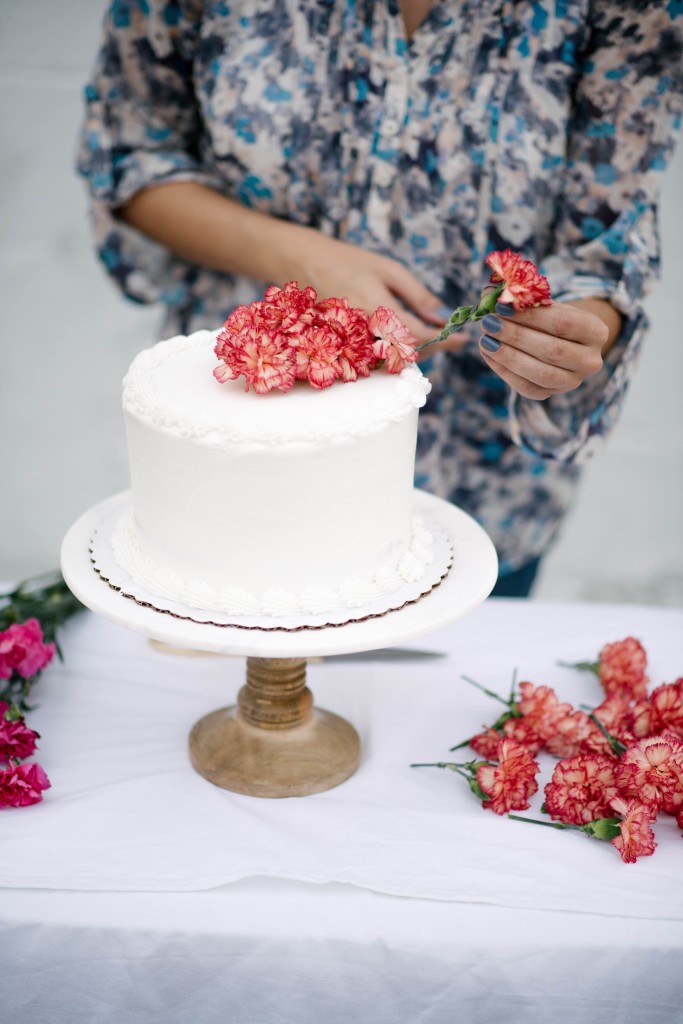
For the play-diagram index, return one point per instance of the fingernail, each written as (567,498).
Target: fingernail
(504,309)
(489,343)
(444,312)
(491,323)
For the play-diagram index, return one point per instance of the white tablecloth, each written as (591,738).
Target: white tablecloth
(427,908)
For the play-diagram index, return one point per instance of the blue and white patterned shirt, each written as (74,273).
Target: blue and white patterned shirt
(543,126)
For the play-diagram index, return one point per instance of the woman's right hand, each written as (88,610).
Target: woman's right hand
(366,279)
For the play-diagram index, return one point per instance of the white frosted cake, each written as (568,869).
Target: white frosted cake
(269,505)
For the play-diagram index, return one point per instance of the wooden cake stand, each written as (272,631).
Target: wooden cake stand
(274,742)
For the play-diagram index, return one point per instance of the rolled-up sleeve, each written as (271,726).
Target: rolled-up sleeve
(141,129)
(625,119)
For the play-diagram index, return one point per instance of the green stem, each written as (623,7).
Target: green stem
(583,666)
(489,693)
(547,824)
(464,315)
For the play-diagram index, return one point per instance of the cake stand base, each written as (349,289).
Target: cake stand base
(273,743)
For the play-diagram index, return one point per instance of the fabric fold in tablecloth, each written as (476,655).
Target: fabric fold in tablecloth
(127,812)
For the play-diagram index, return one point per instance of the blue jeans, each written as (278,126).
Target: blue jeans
(517,583)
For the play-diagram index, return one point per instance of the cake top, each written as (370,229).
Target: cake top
(171,387)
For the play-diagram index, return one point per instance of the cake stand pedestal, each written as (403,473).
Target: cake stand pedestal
(274,742)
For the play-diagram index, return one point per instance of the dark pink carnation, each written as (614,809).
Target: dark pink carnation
(22,650)
(16,739)
(22,785)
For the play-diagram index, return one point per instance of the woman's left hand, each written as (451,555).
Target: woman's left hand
(550,349)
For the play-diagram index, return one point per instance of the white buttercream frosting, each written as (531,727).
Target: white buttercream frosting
(171,387)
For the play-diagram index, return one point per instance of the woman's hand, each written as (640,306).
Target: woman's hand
(550,349)
(367,280)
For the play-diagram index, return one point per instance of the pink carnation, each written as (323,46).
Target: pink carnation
(356,356)
(317,356)
(636,838)
(394,342)
(581,789)
(522,732)
(622,669)
(22,650)
(16,739)
(287,305)
(511,782)
(541,709)
(486,744)
(667,701)
(22,785)
(570,734)
(652,772)
(264,359)
(525,286)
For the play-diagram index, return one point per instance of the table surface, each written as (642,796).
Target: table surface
(392,898)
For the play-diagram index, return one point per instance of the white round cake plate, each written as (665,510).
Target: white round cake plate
(468,583)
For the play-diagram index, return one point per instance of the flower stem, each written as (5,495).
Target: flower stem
(547,824)
(463,315)
(489,693)
(583,666)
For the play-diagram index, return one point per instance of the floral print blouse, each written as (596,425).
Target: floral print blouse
(543,126)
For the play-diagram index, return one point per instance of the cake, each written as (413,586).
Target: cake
(269,505)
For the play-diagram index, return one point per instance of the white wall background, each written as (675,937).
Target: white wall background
(67,337)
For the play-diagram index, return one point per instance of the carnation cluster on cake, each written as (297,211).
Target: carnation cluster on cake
(291,336)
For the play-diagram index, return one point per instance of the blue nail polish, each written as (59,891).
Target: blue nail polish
(491,323)
(444,312)
(490,344)
(504,309)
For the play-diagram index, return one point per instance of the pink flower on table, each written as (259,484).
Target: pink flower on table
(317,356)
(525,286)
(541,709)
(652,772)
(486,744)
(22,785)
(569,734)
(622,669)
(636,838)
(393,341)
(22,650)
(581,789)
(16,739)
(521,731)
(263,358)
(667,707)
(509,784)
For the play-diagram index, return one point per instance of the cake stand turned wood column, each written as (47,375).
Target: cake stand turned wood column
(274,743)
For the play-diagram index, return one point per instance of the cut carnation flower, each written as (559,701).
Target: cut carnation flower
(291,335)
